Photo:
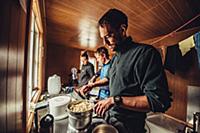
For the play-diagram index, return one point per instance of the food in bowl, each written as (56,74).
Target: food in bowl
(80,114)
(80,106)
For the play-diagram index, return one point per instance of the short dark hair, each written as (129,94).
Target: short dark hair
(103,50)
(115,18)
(85,54)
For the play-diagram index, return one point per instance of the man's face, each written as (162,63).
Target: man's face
(100,58)
(84,60)
(111,37)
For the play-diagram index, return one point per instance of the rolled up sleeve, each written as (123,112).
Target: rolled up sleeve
(153,82)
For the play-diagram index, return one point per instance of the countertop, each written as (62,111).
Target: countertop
(62,126)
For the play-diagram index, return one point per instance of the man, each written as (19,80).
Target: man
(102,57)
(87,69)
(136,77)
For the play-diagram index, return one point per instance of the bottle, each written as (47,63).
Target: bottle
(54,85)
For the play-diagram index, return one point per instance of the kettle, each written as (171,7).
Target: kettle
(54,84)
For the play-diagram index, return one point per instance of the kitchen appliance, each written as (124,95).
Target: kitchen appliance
(104,128)
(79,120)
(54,84)
(57,106)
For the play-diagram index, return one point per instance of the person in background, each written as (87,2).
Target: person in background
(87,69)
(136,78)
(102,57)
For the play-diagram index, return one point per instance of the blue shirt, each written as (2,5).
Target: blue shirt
(104,90)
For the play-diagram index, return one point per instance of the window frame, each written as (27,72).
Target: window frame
(35,25)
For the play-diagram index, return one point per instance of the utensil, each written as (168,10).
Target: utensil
(79,95)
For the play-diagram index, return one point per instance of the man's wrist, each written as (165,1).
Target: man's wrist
(118,100)
(112,100)
(91,85)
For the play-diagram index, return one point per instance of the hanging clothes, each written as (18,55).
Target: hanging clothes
(197,45)
(172,58)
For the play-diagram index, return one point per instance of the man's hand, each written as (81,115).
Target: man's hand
(102,106)
(92,80)
(85,89)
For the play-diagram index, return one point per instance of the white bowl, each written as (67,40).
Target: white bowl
(57,106)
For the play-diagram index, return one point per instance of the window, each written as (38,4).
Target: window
(35,59)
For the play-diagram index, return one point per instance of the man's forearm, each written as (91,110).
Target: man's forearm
(136,103)
(100,82)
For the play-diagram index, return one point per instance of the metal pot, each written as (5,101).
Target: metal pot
(79,120)
(104,128)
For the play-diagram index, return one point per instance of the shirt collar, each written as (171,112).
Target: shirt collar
(124,45)
(106,63)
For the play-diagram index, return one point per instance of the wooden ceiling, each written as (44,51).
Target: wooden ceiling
(158,22)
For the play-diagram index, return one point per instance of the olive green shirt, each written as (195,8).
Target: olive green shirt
(137,70)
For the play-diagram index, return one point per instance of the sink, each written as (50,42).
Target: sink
(158,123)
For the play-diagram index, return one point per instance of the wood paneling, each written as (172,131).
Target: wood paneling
(12,42)
(67,20)
(187,73)
(172,38)
(11,69)
(4,34)
(60,60)
(20,85)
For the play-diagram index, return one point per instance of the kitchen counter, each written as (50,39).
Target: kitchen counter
(155,123)
(61,126)
(159,123)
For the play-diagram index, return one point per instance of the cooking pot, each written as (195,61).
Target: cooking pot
(79,120)
(104,128)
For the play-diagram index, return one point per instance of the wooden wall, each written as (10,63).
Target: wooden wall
(60,60)
(187,73)
(12,51)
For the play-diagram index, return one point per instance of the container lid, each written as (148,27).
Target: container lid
(59,100)
(47,121)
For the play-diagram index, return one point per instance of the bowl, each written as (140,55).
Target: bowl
(104,128)
(57,106)
(80,119)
